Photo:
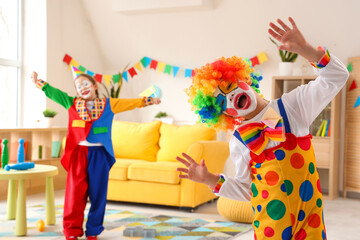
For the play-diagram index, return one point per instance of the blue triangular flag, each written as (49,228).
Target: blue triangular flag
(90,73)
(357,103)
(175,70)
(188,72)
(125,76)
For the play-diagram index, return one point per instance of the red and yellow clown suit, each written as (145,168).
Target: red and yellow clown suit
(275,165)
(87,165)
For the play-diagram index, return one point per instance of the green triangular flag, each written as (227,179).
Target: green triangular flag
(116,78)
(349,67)
(81,68)
(167,69)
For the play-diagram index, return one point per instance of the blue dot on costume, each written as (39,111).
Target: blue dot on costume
(306,191)
(280,154)
(323,235)
(253,209)
(283,188)
(258,165)
(301,215)
(259,208)
(258,176)
(286,234)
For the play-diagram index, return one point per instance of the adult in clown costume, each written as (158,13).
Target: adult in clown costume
(271,145)
(88,154)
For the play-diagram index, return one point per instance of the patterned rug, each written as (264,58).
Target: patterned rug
(167,227)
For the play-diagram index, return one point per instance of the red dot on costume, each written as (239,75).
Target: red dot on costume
(265,194)
(305,144)
(318,185)
(255,238)
(291,142)
(292,219)
(269,155)
(314,220)
(269,232)
(297,160)
(271,178)
(231,111)
(301,234)
(243,85)
(253,170)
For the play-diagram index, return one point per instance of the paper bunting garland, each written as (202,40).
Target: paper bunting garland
(353,85)
(357,103)
(145,62)
(349,67)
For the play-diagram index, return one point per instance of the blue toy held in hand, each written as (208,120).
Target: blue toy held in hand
(20,166)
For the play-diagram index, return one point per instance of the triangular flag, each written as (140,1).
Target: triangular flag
(254,61)
(145,61)
(153,64)
(349,67)
(74,63)
(116,78)
(357,103)
(90,73)
(192,72)
(81,68)
(353,85)
(76,72)
(107,79)
(98,77)
(262,57)
(167,69)
(175,70)
(132,72)
(125,76)
(67,59)
(188,72)
(138,66)
(161,66)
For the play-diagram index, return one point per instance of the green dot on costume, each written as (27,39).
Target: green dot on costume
(256,223)
(289,187)
(254,190)
(276,209)
(287,233)
(311,168)
(306,191)
(280,154)
(319,202)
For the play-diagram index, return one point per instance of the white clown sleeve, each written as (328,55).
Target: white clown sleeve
(238,187)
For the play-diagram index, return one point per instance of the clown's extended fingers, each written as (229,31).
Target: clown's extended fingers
(183,161)
(274,35)
(284,26)
(292,22)
(183,176)
(192,161)
(184,170)
(277,29)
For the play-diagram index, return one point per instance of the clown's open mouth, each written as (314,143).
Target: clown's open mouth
(86,92)
(242,101)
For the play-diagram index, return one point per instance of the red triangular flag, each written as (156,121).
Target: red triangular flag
(67,59)
(254,61)
(98,78)
(353,85)
(132,72)
(153,64)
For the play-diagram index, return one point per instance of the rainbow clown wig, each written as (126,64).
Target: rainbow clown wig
(208,79)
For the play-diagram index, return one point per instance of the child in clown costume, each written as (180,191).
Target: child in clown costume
(271,145)
(88,154)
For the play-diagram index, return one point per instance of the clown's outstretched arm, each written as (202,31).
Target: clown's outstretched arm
(54,94)
(306,102)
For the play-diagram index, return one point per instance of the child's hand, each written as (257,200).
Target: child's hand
(194,171)
(34,77)
(293,41)
(156,100)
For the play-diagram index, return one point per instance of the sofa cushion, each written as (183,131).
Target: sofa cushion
(136,140)
(160,172)
(175,140)
(120,169)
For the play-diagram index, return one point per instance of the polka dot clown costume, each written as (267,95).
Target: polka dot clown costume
(272,151)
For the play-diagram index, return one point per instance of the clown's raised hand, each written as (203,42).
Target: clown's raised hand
(193,171)
(293,41)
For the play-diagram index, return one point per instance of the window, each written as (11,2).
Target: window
(10,61)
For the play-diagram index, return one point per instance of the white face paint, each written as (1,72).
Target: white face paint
(85,88)
(236,100)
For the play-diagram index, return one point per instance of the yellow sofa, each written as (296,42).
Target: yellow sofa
(145,168)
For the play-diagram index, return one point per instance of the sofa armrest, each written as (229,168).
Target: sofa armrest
(215,154)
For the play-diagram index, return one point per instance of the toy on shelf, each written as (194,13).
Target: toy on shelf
(139,231)
(20,166)
(4,153)
(21,151)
